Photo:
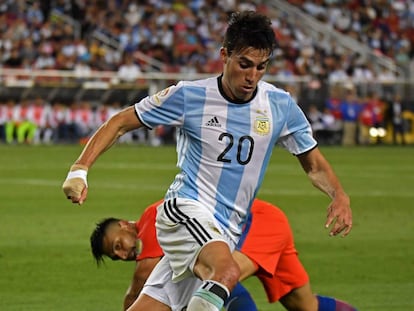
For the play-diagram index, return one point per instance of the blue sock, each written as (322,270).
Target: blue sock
(331,304)
(240,300)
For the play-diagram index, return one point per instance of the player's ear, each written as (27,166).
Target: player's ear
(123,224)
(127,225)
(223,54)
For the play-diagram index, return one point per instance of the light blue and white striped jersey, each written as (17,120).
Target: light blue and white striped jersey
(224,147)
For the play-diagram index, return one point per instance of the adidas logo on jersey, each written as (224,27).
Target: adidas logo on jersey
(213,122)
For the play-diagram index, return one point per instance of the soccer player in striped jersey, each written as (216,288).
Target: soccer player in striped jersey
(227,128)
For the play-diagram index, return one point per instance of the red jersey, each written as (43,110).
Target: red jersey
(147,233)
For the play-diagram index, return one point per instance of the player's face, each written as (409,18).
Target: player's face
(242,71)
(120,242)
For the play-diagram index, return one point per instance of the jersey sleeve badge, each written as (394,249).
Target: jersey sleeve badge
(158,96)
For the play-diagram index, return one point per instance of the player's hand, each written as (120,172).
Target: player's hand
(339,217)
(75,186)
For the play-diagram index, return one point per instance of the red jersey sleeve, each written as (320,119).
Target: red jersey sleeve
(147,233)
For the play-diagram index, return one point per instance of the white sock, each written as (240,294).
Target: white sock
(199,304)
(209,297)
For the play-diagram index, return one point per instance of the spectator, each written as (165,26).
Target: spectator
(363,77)
(134,15)
(9,125)
(45,59)
(371,119)
(40,115)
(338,74)
(57,122)
(85,119)
(34,14)
(323,125)
(28,51)
(129,71)
(333,104)
(71,130)
(66,55)
(387,80)
(396,109)
(350,108)
(24,121)
(15,60)
(82,69)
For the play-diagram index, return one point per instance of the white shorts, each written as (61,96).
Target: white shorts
(184,227)
(160,286)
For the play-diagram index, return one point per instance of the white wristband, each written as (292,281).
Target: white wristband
(78,174)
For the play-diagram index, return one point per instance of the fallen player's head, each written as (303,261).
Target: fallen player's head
(116,239)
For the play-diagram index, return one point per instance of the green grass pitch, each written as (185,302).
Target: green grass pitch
(45,261)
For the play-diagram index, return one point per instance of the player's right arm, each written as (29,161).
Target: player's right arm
(75,185)
(142,271)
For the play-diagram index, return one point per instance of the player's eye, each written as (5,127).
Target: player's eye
(117,246)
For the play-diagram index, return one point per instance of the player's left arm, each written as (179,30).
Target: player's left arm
(143,269)
(322,176)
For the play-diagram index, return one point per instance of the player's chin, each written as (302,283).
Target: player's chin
(132,255)
(245,93)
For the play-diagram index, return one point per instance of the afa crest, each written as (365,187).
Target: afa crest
(262,125)
(157,97)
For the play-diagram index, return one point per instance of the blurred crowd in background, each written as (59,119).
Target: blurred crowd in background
(185,36)
(346,120)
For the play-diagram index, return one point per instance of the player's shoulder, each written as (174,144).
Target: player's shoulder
(184,84)
(206,82)
(274,94)
(151,210)
(270,87)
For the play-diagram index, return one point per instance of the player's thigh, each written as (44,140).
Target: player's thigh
(145,303)
(247,266)
(184,229)
(300,299)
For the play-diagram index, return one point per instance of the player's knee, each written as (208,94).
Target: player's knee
(215,262)
(227,273)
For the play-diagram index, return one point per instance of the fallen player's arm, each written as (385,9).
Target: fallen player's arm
(142,271)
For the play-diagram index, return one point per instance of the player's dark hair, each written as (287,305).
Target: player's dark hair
(249,29)
(97,237)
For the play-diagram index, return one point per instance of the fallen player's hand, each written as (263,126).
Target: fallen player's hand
(75,186)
